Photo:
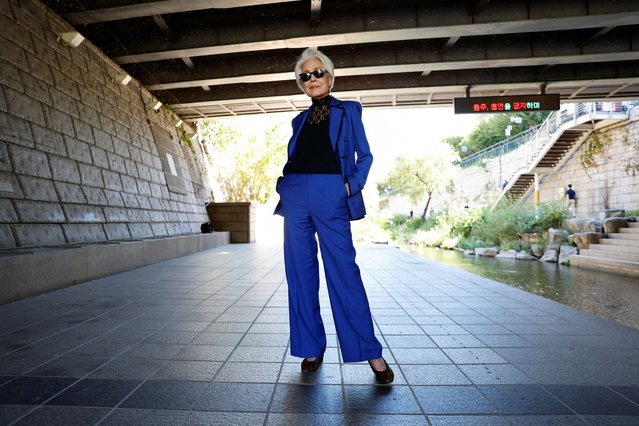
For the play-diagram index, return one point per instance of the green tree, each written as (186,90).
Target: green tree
(245,167)
(423,177)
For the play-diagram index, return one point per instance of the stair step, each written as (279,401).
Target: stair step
(622,267)
(610,255)
(614,248)
(629,230)
(633,224)
(620,236)
(618,242)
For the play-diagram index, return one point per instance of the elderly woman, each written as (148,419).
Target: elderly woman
(320,192)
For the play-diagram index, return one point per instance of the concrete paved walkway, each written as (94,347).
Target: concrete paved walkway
(203,340)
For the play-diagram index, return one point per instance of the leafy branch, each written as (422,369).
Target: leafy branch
(594,146)
(631,166)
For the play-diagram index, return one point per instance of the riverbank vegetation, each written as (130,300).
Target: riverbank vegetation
(508,226)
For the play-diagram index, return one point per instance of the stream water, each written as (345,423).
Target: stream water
(611,296)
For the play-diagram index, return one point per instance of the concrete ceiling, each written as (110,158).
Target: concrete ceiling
(210,58)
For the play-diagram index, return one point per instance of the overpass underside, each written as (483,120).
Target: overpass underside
(234,57)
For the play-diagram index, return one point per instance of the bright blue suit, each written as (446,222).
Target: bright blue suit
(319,204)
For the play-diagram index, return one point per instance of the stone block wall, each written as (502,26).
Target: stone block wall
(78,159)
(606,186)
(236,218)
(600,188)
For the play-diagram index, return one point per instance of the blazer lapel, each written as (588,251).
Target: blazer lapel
(335,119)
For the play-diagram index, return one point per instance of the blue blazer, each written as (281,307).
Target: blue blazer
(350,146)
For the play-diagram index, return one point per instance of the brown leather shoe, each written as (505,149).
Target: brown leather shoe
(310,366)
(385,376)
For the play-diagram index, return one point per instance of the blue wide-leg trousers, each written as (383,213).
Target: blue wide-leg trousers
(316,204)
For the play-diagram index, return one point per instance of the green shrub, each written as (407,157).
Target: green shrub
(552,215)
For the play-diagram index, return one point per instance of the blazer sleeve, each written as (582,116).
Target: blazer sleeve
(357,179)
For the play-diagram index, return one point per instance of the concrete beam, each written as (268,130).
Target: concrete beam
(167,50)
(137,9)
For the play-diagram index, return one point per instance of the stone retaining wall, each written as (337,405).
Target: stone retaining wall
(236,218)
(79,157)
(604,187)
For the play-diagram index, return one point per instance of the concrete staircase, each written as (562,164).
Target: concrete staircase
(619,253)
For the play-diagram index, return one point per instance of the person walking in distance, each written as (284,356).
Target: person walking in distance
(320,193)
(571,200)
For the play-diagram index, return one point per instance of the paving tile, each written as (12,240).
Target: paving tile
(95,393)
(630,392)
(300,419)
(166,395)
(523,399)
(504,341)
(327,374)
(474,356)
(174,337)
(400,329)
(558,373)
(240,397)
(420,356)
(320,399)
(387,419)
(259,354)
(32,390)
(13,364)
(64,416)
(453,400)
(381,400)
(468,420)
(100,348)
(594,400)
(410,341)
(69,366)
(458,341)
(443,329)
(611,420)
(559,420)
(434,375)
(495,374)
(204,353)
(127,368)
(142,417)
(187,370)
(210,418)
(249,372)
(9,413)
(265,339)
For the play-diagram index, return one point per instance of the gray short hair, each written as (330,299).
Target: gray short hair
(311,53)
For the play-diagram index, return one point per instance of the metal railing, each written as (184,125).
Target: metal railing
(536,138)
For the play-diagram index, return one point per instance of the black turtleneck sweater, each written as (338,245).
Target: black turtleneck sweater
(314,151)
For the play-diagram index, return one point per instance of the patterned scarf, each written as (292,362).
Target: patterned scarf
(320,111)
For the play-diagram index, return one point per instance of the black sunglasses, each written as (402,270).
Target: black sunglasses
(306,76)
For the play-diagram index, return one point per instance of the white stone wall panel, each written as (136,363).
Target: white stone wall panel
(95,195)
(39,212)
(91,175)
(116,231)
(70,193)
(37,189)
(29,162)
(7,212)
(6,237)
(114,198)
(28,235)
(84,233)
